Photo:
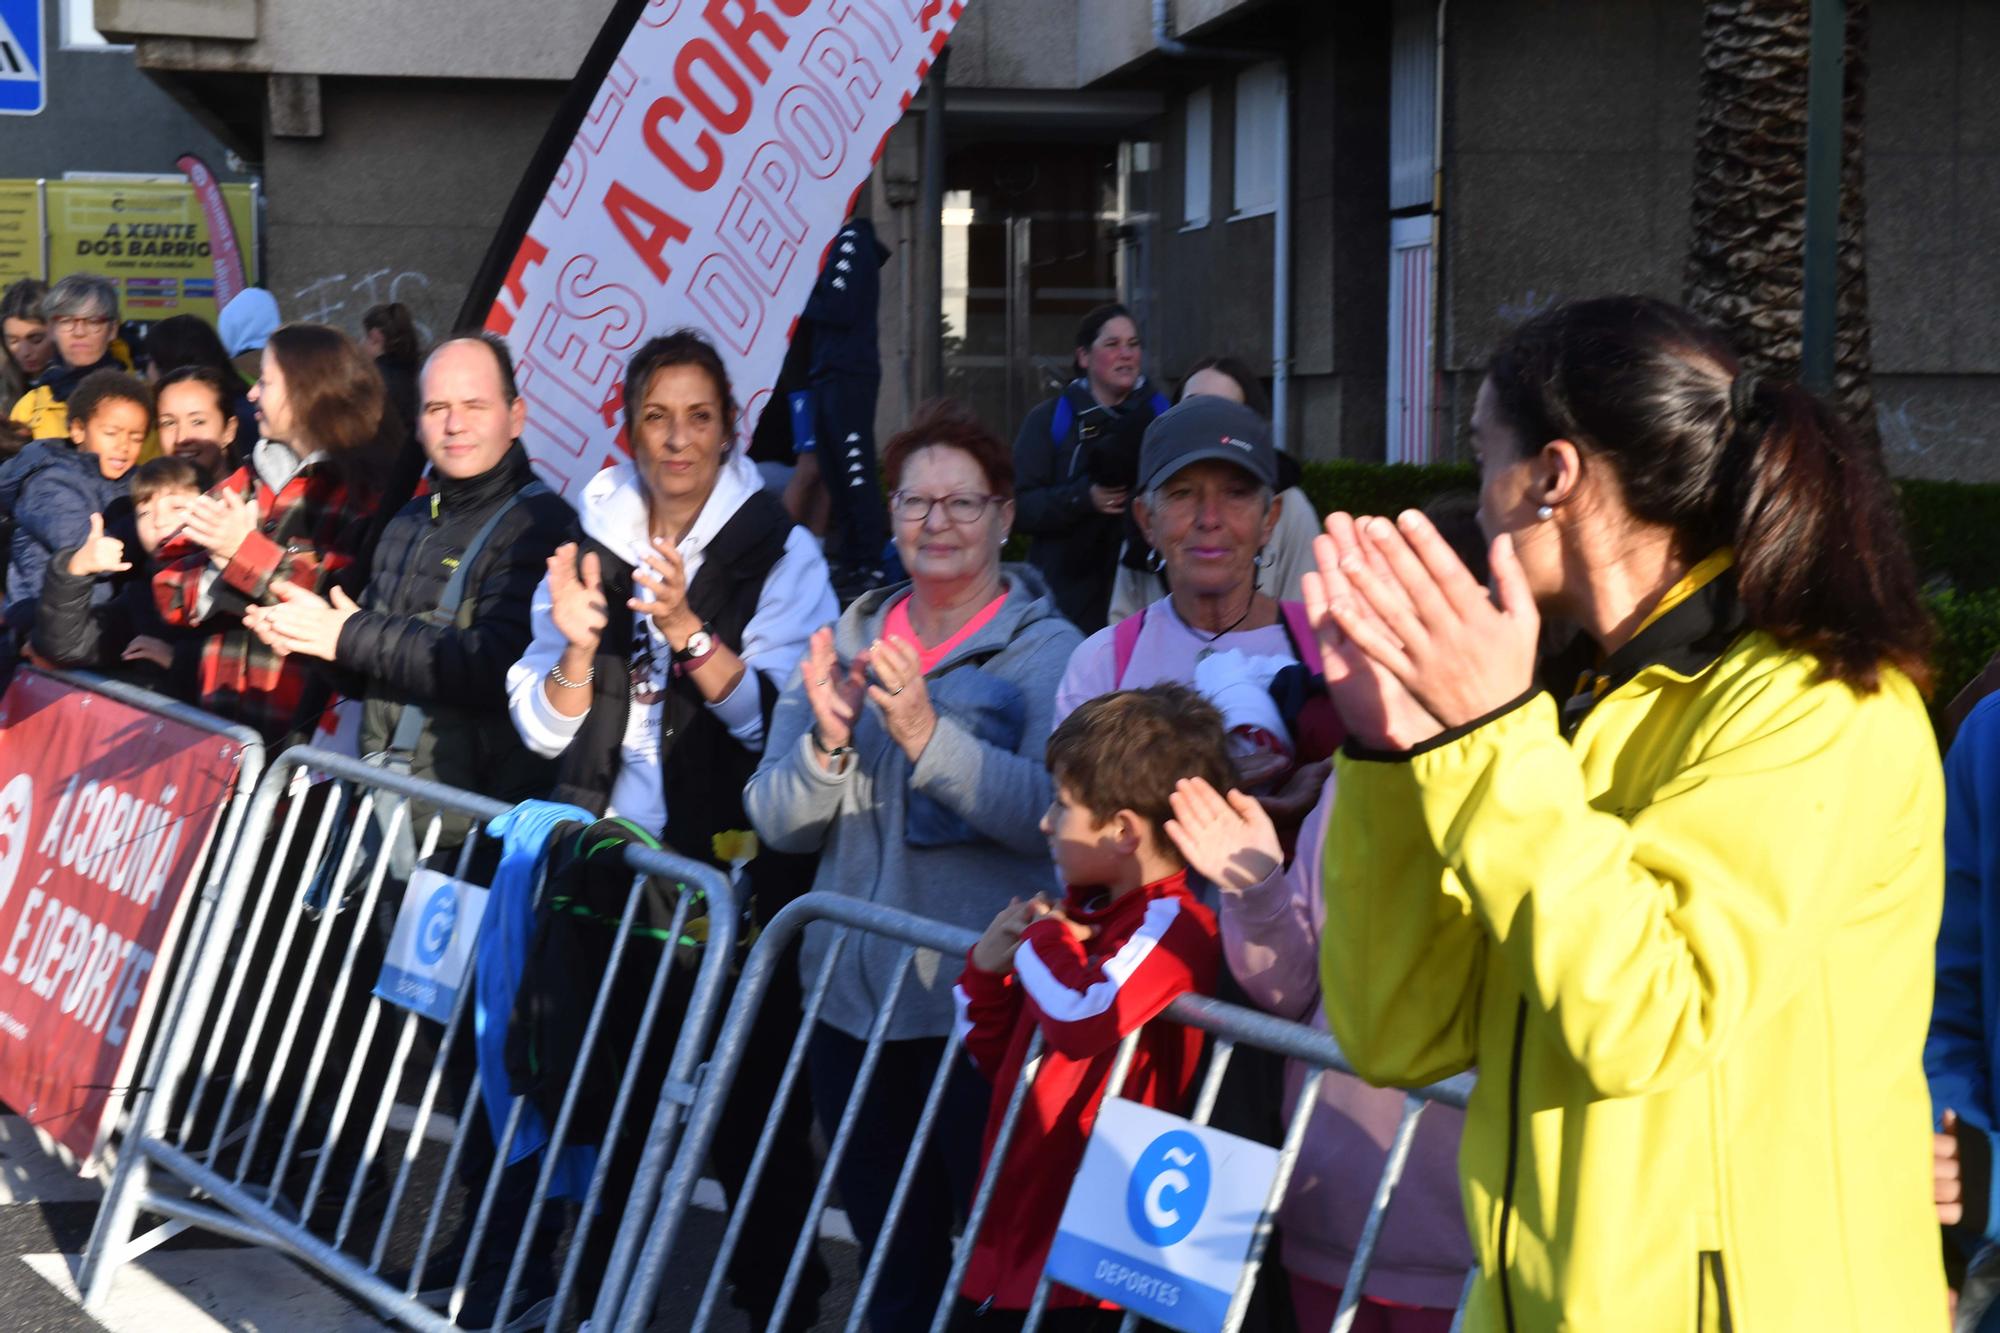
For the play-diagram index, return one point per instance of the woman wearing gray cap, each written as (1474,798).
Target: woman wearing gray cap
(1290,551)
(1207,506)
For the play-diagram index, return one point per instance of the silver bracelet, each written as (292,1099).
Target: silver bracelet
(556,675)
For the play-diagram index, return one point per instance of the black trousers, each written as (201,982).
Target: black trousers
(920,1246)
(844,407)
(778,1210)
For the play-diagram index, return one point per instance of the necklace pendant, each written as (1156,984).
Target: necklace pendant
(1207,652)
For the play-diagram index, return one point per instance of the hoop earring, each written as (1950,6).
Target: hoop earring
(1545,513)
(1155,562)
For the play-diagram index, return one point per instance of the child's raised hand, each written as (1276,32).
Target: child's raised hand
(995,950)
(1228,841)
(99,554)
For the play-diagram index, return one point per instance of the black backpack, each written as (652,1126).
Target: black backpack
(576,927)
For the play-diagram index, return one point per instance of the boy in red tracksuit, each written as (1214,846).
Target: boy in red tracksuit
(1126,939)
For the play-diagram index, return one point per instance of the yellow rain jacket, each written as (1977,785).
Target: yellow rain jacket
(1684,929)
(47,417)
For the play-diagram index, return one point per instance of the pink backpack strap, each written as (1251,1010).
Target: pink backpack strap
(1125,642)
(1304,642)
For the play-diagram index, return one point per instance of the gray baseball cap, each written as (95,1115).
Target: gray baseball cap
(1205,427)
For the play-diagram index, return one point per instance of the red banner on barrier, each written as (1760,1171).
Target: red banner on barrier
(105,811)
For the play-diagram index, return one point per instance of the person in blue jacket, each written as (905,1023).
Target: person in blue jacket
(1959,1055)
(51,488)
(1076,460)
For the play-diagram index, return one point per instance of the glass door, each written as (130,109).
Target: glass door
(1035,235)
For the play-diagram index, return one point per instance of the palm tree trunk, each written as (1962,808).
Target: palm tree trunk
(1745,266)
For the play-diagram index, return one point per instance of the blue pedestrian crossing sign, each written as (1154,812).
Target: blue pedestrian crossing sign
(24,48)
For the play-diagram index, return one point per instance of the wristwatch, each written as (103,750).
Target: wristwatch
(700,645)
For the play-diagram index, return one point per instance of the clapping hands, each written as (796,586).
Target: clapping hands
(1412,644)
(897,689)
(834,691)
(576,597)
(220,521)
(302,621)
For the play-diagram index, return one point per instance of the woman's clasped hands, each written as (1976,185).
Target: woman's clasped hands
(1412,645)
(888,674)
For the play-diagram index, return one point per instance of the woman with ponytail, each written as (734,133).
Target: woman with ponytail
(1674,896)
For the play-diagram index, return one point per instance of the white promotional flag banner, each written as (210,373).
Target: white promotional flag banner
(700,186)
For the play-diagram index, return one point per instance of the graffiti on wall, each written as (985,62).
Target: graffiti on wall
(341,298)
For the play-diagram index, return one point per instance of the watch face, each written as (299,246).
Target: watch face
(698,643)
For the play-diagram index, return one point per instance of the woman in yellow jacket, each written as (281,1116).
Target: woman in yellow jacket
(81,311)
(1676,902)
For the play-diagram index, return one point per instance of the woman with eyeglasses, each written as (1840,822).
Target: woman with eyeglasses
(82,314)
(908,753)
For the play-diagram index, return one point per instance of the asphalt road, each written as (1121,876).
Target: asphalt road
(195,1282)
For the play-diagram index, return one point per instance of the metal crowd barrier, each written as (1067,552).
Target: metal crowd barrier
(256,1006)
(1228,1026)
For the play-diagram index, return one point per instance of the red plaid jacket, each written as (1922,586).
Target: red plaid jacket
(314,533)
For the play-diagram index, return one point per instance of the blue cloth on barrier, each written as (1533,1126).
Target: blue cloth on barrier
(505,934)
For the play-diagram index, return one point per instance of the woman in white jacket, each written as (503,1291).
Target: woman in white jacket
(661,643)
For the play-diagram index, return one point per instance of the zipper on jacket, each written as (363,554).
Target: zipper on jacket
(1513,1163)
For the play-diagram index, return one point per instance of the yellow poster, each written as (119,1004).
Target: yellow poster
(149,239)
(20,231)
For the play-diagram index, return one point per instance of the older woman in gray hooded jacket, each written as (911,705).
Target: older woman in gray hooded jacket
(908,752)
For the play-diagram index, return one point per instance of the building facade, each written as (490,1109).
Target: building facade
(102,114)
(1358,198)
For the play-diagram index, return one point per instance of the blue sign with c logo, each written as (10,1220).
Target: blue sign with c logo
(1169,1188)
(435,926)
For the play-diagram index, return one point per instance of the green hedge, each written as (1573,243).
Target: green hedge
(1968,636)
(1382,488)
(1954,531)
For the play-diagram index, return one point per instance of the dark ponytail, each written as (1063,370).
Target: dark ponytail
(1700,445)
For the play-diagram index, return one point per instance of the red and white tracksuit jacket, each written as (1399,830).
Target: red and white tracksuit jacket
(1151,946)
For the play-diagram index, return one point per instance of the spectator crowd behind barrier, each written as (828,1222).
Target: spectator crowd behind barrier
(267,1114)
(276,1072)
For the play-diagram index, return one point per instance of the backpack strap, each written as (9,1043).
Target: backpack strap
(454,589)
(410,726)
(1125,642)
(1317,729)
(1062,418)
(1298,623)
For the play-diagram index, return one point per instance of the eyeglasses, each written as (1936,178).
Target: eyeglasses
(80,323)
(909,507)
